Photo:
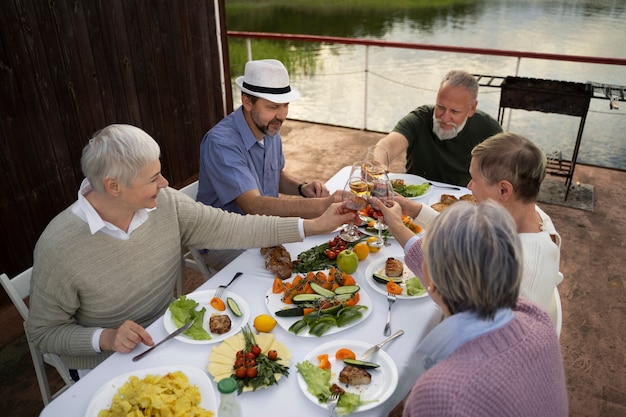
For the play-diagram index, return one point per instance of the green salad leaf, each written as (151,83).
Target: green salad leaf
(183,310)
(414,287)
(317,380)
(318,384)
(411,190)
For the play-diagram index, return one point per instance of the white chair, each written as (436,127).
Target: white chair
(18,289)
(556,311)
(192,258)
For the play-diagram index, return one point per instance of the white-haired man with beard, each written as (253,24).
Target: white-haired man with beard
(438,139)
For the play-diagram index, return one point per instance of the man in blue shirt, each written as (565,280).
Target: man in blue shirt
(241,158)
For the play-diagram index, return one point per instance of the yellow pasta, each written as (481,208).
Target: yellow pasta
(168,395)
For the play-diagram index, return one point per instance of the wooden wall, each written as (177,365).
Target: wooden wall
(70,68)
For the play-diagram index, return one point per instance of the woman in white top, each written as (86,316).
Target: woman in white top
(509,169)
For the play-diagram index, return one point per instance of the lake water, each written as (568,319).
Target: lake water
(332,78)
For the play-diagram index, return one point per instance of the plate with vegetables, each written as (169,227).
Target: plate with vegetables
(253,360)
(394,277)
(318,303)
(323,370)
(215,319)
(410,186)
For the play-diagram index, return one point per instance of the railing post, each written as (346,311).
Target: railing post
(249,48)
(365,92)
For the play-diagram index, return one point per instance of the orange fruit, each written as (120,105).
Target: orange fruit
(362,250)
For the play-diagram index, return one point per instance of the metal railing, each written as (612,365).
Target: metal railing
(614,93)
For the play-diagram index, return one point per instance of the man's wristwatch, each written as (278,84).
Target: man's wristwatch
(300,188)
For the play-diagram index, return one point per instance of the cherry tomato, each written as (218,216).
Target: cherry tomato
(330,254)
(250,355)
(240,354)
(272,355)
(239,362)
(251,372)
(250,363)
(241,372)
(255,350)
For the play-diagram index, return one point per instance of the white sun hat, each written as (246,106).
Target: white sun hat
(268,79)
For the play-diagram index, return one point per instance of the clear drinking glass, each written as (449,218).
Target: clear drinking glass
(354,196)
(378,156)
(382,189)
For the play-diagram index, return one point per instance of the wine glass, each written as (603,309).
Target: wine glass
(354,197)
(378,156)
(360,168)
(382,189)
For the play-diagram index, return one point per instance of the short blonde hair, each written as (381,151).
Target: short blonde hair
(511,157)
(474,257)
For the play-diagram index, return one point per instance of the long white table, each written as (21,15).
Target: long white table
(416,317)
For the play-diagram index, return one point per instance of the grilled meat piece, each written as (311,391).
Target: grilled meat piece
(448,199)
(219,323)
(351,375)
(439,207)
(278,261)
(337,388)
(468,197)
(393,267)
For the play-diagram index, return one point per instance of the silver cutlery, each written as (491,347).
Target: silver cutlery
(391,298)
(220,290)
(332,401)
(369,352)
(448,187)
(169,336)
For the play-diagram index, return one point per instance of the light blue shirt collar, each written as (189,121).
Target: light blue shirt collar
(453,332)
(85,211)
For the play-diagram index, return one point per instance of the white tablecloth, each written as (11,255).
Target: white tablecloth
(416,317)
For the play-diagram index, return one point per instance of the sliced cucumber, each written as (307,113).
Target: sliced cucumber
(306,298)
(347,289)
(232,304)
(290,312)
(343,297)
(361,364)
(382,279)
(321,290)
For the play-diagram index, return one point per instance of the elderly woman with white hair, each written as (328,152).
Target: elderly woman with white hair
(494,354)
(105,268)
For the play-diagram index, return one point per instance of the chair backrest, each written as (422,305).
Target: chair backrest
(192,258)
(191,190)
(18,289)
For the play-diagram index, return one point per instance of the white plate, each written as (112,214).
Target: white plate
(410,179)
(203,298)
(378,267)
(384,378)
(102,399)
(274,303)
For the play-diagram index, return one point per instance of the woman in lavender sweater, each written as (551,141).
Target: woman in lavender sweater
(494,354)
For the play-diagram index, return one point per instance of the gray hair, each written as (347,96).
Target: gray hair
(458,78)
(118,151)
(474,257)
(511,157)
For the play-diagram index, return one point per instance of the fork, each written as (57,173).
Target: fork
(220,290)
(333,398)
(449,187)
(391,298)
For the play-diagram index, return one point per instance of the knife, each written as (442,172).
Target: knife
(169,336)
(369,352)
